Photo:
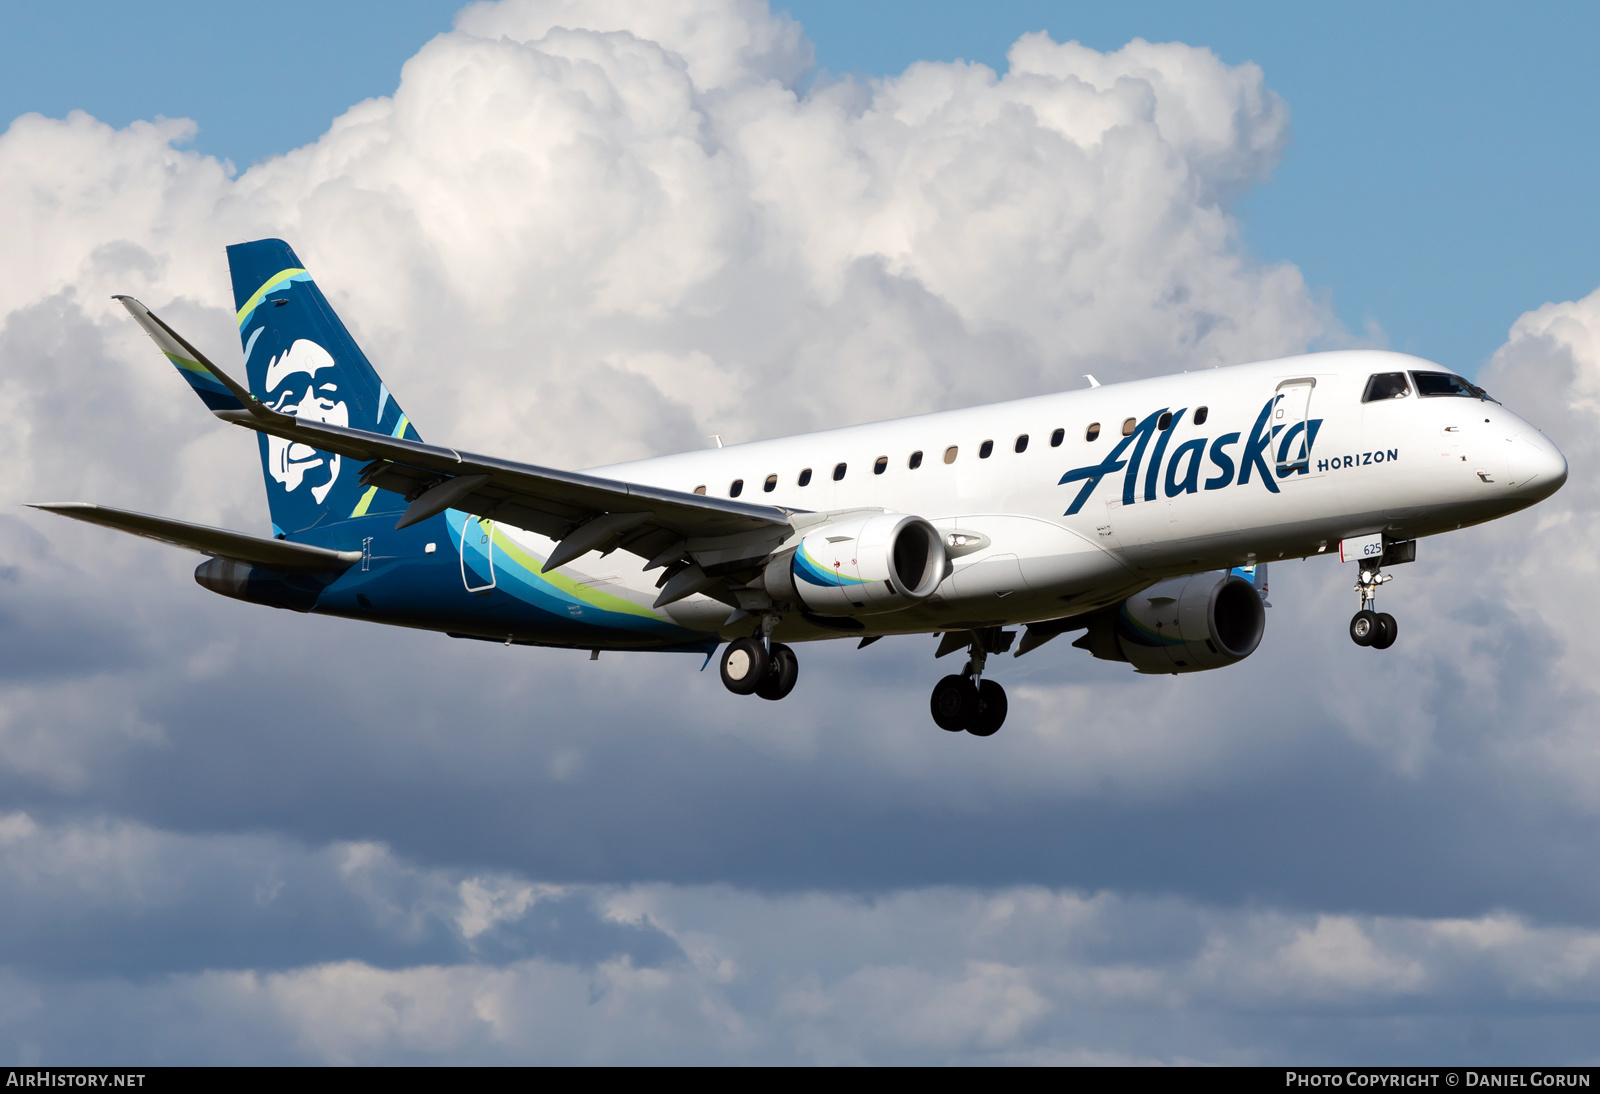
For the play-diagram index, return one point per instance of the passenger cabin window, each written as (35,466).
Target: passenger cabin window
(1061,434)
(1128,427)
(700,489)
(950,454)
(838,472)
(771,484)
(1445,383)
(985,450)
(915,461)
(736,489)
(1089,434)
(1164,422)
(1200,414)
(1386,385)
(1022,443)
(805,477)
(880,465)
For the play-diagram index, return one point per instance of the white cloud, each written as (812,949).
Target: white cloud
(1008,974)
(722,43)
(486,902)
(630,228)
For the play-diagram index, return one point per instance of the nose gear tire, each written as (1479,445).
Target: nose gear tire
(1364,627)
(1388,631)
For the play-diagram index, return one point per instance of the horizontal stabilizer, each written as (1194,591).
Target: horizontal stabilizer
(274,554)
(218,390)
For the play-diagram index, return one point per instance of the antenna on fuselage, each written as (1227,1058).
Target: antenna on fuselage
(1092,381)
(716,437)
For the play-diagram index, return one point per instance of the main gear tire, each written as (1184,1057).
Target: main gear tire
(744,666)
(783,670)
(954,703)
(991,713)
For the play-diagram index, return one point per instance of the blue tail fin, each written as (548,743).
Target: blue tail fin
(301,360)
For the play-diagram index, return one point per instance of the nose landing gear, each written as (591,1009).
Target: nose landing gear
(1368,627)
(966,701)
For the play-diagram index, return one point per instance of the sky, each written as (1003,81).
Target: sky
(578,231)
(1443,154)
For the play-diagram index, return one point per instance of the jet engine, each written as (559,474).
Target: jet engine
(864,565)
(1183,624)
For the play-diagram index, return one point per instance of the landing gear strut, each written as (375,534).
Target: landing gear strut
(1368,627)
(966,701)
(760,666)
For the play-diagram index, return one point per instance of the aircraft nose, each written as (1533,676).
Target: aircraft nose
(1537,466)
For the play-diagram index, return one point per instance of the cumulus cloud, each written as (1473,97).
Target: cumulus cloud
(645,203)
(581,232)
(689,973)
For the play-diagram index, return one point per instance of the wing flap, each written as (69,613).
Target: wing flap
(274,554)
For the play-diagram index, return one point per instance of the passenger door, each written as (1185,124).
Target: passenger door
(1290,415)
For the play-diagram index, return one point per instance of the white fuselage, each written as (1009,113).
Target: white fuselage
(1406,467)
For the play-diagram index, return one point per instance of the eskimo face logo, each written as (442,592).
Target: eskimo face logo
(289,462)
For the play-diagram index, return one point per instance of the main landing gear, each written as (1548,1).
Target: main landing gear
(967,701)
(759,666)
(962,701)
(1368,627)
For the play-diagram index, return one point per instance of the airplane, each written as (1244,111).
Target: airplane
(1143,513)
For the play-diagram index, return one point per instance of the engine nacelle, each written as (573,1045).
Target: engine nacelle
(869,564)
(1183,624)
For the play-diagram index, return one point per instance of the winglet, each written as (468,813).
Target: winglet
(224,396)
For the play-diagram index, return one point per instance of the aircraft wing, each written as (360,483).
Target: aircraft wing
(584,512)
(274,554)
(710,536)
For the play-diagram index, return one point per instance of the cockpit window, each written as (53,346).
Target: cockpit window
(1386,385)
(1444,383)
